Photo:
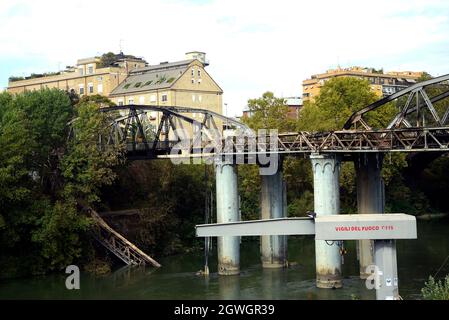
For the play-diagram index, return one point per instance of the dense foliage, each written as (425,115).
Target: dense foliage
(171,198)
(43,177)
(436,289)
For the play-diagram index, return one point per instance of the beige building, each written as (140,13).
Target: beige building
(383,84)
(89,76)
(184,83)
(130,80)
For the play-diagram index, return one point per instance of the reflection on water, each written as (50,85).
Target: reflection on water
(229,287)
(177,279)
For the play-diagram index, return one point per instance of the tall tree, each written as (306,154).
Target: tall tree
(42,177)
(87,166)
(338,99)
(269,112)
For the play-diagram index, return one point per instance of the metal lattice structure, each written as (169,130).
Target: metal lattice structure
(119,245)
(419,105)
(420,124)
(145,138)
(348,141)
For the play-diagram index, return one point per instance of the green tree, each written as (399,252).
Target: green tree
(61,234)
(87,166)
(48,112)
(339,98)
(15,184)
(42,178)
(269,112)
(298,176)
(97,99)
(107,59)
(32,139)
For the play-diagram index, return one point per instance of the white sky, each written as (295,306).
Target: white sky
(253,46)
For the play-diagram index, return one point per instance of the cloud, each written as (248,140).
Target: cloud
(253,46)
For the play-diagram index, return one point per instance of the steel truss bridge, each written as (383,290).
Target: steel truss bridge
(419,124)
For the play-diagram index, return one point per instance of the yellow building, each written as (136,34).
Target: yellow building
(130,80)
(382,84)
(89,76)
(184,83)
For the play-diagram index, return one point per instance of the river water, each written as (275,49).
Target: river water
(177,279)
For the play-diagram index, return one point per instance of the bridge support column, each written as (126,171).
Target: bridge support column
(227,211)
(386,270)
(273,249)
(370,199)
(326,170)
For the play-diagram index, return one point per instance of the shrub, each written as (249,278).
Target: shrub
(436,290)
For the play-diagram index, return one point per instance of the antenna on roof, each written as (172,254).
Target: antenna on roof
(121,45)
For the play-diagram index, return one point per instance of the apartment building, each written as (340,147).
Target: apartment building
(383,84)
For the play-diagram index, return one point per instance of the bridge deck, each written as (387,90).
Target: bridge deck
(344,141)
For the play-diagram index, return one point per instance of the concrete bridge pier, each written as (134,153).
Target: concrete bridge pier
(326,171)
(387,270)
(273,249)
(370,199)
(227,211)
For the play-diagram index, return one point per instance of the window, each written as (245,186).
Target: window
(193,80)
(148,83)
(127,85)
(153,98)
(199,81)
(193,72)
(137,85)
(164,98)
(90,85)
(199,73)
(130,101)
(142,100)
(90,69)
(81,70)
(81,89)
(120,102)
(100,88)
(193,98)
